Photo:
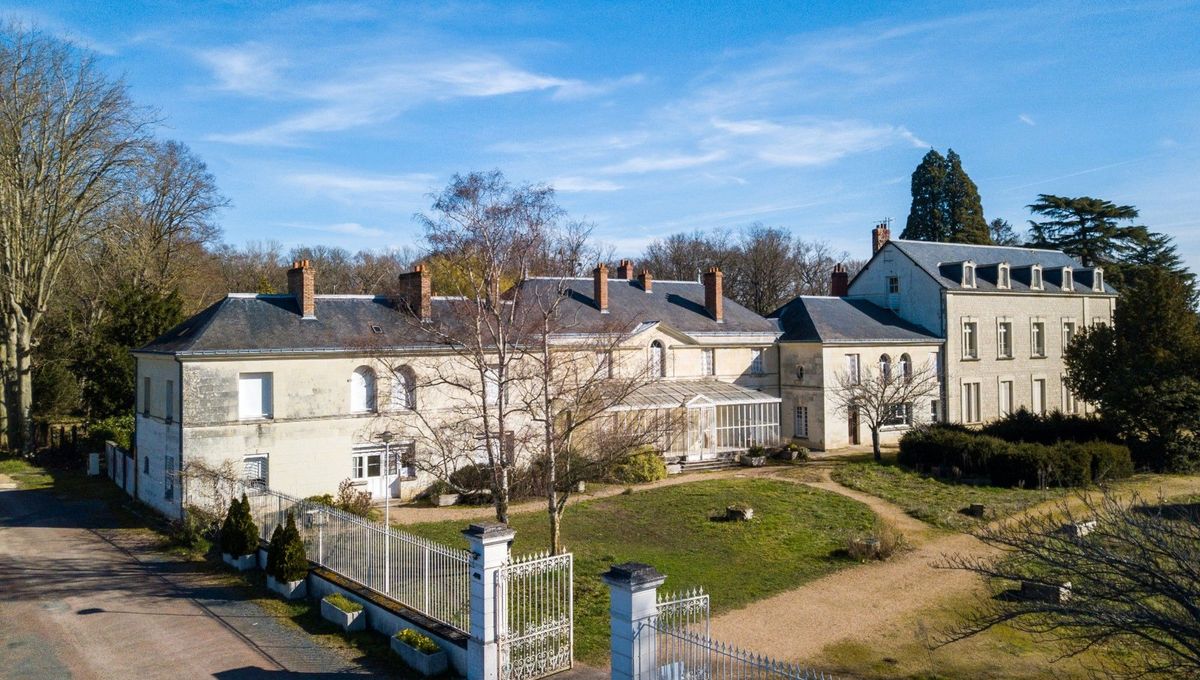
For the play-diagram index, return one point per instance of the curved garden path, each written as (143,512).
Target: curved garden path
(877,599)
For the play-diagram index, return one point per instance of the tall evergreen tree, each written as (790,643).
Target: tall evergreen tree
(945,203)
(1003,234)
(1088,228)
(927,216)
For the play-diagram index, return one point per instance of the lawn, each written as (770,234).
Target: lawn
(25,474)
(937,501)
(793,538)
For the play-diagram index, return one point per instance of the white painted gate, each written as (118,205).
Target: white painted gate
(535,612)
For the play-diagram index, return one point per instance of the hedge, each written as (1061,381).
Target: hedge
(1049,428)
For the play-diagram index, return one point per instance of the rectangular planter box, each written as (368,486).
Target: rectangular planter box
(445,499)
(349,621)
(425,664)
(753,461)
(291,590)
(242,562)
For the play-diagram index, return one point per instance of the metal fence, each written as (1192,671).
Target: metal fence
(679,642)
(535,610)
(421,574)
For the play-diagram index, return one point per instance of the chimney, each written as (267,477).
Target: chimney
(625,270)
(301,280)
(416,292)
(600,287)
(880,235)
(646,280)
(839,284)
(714,297)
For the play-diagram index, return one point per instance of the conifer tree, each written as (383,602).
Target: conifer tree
(945,203)
(1088,228)
(964,210)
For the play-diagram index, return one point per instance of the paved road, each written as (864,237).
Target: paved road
(75,605)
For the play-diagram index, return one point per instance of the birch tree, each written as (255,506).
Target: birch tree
(67,133)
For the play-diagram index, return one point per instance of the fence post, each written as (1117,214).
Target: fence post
(633,601)
(489,545)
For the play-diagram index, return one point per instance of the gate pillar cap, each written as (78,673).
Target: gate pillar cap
(634,574)
(489,531)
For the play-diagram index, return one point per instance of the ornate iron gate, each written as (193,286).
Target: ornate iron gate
(535,612)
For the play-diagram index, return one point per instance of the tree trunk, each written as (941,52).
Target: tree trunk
(875,444)
(11,411)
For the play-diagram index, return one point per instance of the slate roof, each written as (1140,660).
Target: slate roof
(254,324)
(675,393)
(810,318)
(942,260)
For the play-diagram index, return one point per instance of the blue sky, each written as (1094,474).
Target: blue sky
(333,122)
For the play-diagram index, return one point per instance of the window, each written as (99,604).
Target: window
(906,367)
(1004,348)
(1098,322)
(1068,279)
(706,362)
(1035,278)
(935,360)
(1068,334)
(756,362)
(604,364)
(403,398)
(1039,396)
(254,395)
(1037,338)
(405,453)
(893,284)
(146,396)
(366,464)
(800,424)
(970,340)
(885,368)
(1003,280)
(169,478)
(658,359)
(968,275)
(491,386)
(362,390)
(169,408)
(971,412)
(1006,397)
(146,465)
(254,470)
(935,410)
(1070,403)
(1098,281)
(898,414)
(852,369)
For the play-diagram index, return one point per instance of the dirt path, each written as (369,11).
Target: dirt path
(875,600)
(415,513)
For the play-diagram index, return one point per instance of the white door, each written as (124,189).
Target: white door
(367,471)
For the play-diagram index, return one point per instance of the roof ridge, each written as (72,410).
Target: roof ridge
(974,245)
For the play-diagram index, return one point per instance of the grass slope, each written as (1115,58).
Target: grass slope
(793,536)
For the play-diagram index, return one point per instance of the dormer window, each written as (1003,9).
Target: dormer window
(1003,280)
(968,275)
(1068,279)
(1098,280)
(1035,277)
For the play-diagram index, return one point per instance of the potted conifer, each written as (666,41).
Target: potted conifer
(239,536)
(287,563)
(420,652)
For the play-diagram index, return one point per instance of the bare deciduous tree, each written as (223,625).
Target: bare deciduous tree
(1134,583)
(887,396)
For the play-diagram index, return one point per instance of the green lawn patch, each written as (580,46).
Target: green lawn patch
(935,500)
(25,474)
(793,538)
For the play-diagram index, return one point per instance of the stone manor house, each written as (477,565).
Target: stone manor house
(292,388)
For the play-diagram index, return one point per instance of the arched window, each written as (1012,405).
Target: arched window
(906,366)
(658,359)
(362,390)
(403,389)
(885,367)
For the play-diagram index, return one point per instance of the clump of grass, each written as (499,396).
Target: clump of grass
(343,603)
(882,542)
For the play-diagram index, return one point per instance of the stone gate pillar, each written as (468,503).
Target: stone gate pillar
(633,599)
(489,545)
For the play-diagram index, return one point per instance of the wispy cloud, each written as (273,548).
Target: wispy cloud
(1024,118)
(353,229)
(813,142)
(642,164)
(358,189)
(583,184)
(251,69)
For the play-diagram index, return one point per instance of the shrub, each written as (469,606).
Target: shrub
(286,559)
(343,603)
(1062,464)
(193,531)
(883,541)
(356,502)
(948,446)
(116,429)
(1049,428)
(419,642)
(641,466)
(239,533)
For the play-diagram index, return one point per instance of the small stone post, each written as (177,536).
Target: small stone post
(489,545)
(633,599)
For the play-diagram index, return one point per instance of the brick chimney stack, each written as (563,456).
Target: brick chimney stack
(600,287)
(301,279)
(416,292)
(625,270)
(646,280)
(839,284)
(714,295)
(880,235)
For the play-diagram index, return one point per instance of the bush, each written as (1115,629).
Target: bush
(239,533)
(948,446)
(1109,461)
(1049,428)
(194,530)
(287,560)
(343,603)
(116,429)
(419,642)
(641,466)
(883,541)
